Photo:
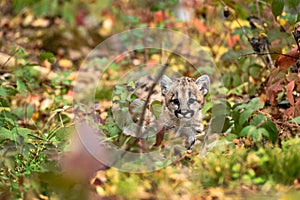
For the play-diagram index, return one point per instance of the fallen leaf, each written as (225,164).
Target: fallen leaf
(6,60)
(290,112)
(271,93)
(216,193)
(65,63)
(289,92)
(41,23)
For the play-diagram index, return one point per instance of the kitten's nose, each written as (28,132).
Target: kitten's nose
(186,113)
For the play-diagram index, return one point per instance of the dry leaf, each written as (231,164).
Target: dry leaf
(65,63)
(289,92)
(6,60)
(285,61)
(41,23)
(272,91)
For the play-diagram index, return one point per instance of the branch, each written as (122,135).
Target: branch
(157,78)
(268,53)
(8,59)
(237,21)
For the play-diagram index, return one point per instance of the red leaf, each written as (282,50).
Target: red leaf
(289,92)
(297,107)
(159,16)
(285,61)
(272,92)
(290,112)
(231,40)
(200,26)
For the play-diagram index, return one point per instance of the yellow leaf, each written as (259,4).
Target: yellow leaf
(100,191)
(40,22)
(35,116)
(65,63)
(4,108)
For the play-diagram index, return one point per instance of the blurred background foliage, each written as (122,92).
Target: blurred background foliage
(254,45)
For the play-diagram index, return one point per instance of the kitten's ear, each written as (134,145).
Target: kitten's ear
(203,83)
(165,83)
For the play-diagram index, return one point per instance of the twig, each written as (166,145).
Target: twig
(268,53)
(159,75)
(266,45)
(8,59)
(237,21)
(258,13)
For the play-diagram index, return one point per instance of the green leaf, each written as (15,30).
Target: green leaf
(156,108)
(47,56)
(256,135)
(255,70)
(244,116)
(217,123)
(247,131)
(295,120)
(4,134)
(23,112)
(220,109)
(258,119)
(3,92)
(259,180)
(21,132)
(206,107)
(4,103)
(272,130)
(263,132)
(7,119)
(21,87)
(255,104)
(64,133)
(277,7)
(227,80)
(227,125)
(237,81)
(293,3)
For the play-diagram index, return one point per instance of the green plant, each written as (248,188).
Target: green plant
(27,148)
(245,121)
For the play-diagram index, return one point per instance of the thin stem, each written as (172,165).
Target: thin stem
(268,53)
(8,59)
(237,21)
(157,78)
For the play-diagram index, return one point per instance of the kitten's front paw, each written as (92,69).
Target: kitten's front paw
(190,142)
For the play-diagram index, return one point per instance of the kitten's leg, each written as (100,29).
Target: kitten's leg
(190,142)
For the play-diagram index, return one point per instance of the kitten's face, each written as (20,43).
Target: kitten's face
(184,97)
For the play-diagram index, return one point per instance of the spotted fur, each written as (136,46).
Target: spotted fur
(183,99)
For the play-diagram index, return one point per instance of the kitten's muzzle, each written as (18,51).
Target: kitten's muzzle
(184,113)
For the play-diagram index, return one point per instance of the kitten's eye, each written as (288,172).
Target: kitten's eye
(176,101)
(191,101)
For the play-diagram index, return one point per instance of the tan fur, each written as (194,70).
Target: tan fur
(183,99)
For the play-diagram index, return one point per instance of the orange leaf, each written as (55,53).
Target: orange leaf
(231,40)
(289,92)
(200,26)
(159,16)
